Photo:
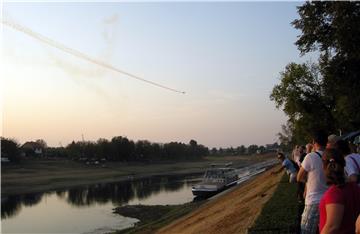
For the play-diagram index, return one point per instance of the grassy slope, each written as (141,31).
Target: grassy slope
(154,217)
(280,213)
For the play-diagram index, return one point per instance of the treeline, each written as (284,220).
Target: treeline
(243,150)
(117,149)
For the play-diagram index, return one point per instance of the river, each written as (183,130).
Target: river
(88,209)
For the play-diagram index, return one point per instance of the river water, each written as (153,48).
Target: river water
(88,209)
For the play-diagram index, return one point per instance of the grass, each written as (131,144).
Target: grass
(153,217)
(280,214)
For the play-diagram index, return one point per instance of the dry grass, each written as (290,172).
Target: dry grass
(233,212)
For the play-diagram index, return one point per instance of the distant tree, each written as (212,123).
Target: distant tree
(104,149)
(10,149)
(74,150)
(252,149)
(157,152)
(59,152)
(42,143)
(262,148)
(124,149)
(214,151)
(241,149)
(193,143)
(144,150)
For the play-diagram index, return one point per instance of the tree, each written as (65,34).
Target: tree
(241,149)
(323,94)
(302,97)
(10,149)
(104,149)
(333,30)
(42,143)
(252,149)
(193,143)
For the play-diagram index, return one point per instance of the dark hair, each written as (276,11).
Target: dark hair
(334,164)
(343,147)
(280,155)
(320,137)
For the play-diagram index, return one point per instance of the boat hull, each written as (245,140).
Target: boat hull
(204,192)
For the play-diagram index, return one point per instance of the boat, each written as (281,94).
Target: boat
(217,178)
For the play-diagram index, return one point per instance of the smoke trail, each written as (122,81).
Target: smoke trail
(79,54)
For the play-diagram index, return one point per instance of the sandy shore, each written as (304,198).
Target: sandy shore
(233,212)
(41,175)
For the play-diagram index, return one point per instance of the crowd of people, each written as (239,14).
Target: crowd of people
(327,173)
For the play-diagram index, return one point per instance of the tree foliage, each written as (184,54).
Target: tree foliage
(120,148)
(323,94)
(10,149)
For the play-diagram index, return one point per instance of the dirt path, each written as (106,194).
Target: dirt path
(233,212)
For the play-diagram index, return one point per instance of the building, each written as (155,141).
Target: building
(32,148)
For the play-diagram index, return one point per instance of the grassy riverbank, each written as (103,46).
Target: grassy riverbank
(232,212)
(154,217)
(280,213)
(43,175)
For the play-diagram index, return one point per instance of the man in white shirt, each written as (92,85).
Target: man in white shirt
(312,169)
(352,166)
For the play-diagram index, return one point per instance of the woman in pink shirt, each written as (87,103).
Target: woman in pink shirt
(340,205)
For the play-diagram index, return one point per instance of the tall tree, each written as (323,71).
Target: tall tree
(333,30)
(301,96)
(325,94)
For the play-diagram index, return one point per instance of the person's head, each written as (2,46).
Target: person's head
(302,149)
(281,156)
(333,164)
(309,148)
(343,147)
(332,140)
(319,139)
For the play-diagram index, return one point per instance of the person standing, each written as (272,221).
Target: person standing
(352,167)
(309,148)
(340,205)
(312,169)
(332,140)
(288,166)
(296,154)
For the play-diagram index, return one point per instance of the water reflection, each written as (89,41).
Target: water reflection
(119,193)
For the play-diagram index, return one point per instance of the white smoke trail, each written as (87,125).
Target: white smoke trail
(78,54)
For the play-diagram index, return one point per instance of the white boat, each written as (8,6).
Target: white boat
(215,180)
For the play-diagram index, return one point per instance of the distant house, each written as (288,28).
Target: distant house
(32,148)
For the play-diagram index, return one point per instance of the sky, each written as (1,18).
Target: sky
(227,57)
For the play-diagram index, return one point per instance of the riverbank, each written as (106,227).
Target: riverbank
(45,175)
(233,212)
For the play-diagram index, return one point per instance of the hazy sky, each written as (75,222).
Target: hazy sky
(226,56)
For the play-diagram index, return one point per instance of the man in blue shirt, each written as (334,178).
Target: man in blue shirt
(288,166)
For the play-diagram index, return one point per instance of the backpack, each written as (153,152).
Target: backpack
(295,164)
